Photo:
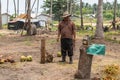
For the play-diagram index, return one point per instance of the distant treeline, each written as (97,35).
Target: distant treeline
(73,6)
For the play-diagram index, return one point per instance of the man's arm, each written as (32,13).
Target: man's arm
(74,32)
(59,33)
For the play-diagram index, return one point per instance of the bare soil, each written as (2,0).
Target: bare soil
(14,45)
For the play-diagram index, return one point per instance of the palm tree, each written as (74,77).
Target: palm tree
(28,17)
(68,5)
(0,16)
(26,6)
(99,28)
(7,9)
(81,15)
(7,5)
(51,9)
(71,3)
(18,7)
(14,7)
(37,7)
(113,23)
(94,8)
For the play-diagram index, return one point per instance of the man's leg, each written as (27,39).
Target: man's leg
(70,54)
(70,51)
(63,50)
(63,55)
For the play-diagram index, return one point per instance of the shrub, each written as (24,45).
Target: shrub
(108,15)
(110,72)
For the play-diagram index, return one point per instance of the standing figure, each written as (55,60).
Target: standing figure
(67,36)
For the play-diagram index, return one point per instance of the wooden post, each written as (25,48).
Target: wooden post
(43,51)
(85,62)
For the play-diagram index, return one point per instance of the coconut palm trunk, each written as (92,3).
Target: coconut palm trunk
(17,7)
(37,7)
(7,9)
(81,15)
(26,6)
(99,28)
(68,5)
(28,17)
(14,7)
(0,16)
(114,18)
(71,4)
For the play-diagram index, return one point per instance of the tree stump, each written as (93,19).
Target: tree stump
(84,65)
(43,51)
(33,29)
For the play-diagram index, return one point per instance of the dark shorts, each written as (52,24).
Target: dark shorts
(67,47)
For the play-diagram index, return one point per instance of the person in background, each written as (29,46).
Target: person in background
(67,36)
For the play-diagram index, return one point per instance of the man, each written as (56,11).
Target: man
(67,35)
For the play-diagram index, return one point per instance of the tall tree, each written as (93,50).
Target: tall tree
(26,5)
(71,5)
(17,7)
(81,14)
(94,8)
(33,4)
(14,7)
(51,3)
(7,9)
(114,18)
(28,17)
(0,16)
(68,5)
(59,6)
(7,5)
(118,10)
(99,28)
(37,7)
(51,9)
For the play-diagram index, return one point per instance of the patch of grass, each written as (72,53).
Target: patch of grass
(55,22)
(85,32)
(108,38)
(23,33)
(112,33)
(28,43)
(1,34)
(54,28)
(51,41)
(62,63)
(5,26)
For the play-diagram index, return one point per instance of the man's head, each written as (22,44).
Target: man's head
(66,16)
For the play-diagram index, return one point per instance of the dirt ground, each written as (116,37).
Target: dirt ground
(14,45)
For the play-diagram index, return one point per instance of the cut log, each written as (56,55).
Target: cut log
(84,65)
